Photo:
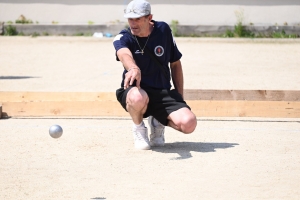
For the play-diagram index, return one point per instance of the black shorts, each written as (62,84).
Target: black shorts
(161,103)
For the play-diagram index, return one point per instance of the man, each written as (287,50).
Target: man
(146,49)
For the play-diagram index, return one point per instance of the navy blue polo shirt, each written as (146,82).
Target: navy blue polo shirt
(162,44)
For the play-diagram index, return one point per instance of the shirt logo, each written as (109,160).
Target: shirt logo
(159,51)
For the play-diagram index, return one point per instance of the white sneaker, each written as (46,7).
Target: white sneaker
(141,140)
(157,137)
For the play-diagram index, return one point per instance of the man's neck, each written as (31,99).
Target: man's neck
(148,32)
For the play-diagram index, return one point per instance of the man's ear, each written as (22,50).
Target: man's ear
(150,17)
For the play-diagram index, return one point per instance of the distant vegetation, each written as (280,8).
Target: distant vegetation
(238,31)
(241,31)
(22,20)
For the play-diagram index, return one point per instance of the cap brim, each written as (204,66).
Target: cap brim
(132,15)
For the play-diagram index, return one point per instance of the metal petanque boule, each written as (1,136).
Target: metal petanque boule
(55,131)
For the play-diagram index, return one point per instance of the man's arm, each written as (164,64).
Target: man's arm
(177,76)
(134,72)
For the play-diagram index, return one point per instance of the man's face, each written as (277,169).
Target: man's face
(139,26)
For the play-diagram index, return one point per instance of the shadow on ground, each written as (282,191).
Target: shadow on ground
(16,77)
(184,149)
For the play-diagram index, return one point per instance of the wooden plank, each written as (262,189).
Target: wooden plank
(243,95)
(203,108)
(272,109)
(55,96)
(190,94)
(204,103)
(75,108)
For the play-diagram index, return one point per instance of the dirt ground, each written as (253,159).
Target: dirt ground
(225,158)
(88,64)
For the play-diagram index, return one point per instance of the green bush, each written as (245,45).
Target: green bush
(10,30)
(25,21)
(174,28)
(229,34)
(239,28)
(241,31)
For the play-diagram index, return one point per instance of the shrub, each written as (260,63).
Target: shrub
(229,34)
(10,30)
(174,29)
(282,34)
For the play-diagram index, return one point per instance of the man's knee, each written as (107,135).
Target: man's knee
(184,120)
(188,123)
(137,98)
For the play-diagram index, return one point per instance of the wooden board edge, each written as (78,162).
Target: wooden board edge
(189,94)
(269,109)
(265,109)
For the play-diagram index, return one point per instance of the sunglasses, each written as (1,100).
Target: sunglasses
(137,11)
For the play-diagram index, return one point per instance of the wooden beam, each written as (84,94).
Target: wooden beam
(55,96)
(272,109)
(204,103)
(243,95)
(203,108)
(63,108)
(189,94)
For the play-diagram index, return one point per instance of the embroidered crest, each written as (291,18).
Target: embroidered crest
(159,51)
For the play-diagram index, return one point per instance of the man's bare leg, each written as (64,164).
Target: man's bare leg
(183,120)
(137,101)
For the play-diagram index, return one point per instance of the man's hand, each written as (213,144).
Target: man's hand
(132,75)
(133,71)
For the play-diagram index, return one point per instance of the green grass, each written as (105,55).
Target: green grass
(35,34)
(282,34)
(83,34)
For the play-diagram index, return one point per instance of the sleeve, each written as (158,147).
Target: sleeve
(120,41)
(175,53)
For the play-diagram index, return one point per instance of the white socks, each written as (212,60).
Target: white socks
(141,125)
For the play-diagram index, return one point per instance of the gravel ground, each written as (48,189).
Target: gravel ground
(225,158)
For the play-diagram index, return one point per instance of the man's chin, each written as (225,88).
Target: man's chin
(134,31)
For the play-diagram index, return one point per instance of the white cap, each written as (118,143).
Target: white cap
(137,9)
